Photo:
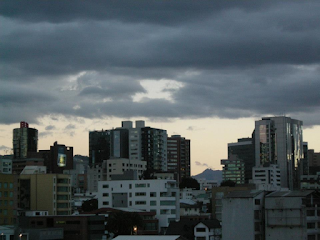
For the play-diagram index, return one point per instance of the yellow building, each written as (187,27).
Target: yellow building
(8,199)
(45,192)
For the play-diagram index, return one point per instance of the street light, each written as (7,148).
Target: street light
(135,230)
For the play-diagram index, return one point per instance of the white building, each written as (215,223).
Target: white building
(117,166)
(267,178)
(160,196)
(310,181)
(6,166)
(186,193)
(134,138)
(242,216)
(292,215)
(207,184)
(208,230)
(94,174)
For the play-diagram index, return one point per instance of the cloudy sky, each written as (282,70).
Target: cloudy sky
(202,69)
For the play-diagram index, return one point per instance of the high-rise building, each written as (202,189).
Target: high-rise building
(278,140)
(119,143)
(244,150)
(99,146)
(154,148)
(25,140)
(178,154)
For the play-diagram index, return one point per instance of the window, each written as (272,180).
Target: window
(140,194)
(200,229)
(105,194)
(257,201)
(105,203)
(105,186)
(153,203)
(140,202)
(140,185)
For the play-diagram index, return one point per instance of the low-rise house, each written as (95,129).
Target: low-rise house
(208,230)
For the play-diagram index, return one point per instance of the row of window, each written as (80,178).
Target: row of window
(6,185)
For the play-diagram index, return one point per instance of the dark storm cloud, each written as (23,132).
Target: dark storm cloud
(149,11)
(233,59)
(50,127)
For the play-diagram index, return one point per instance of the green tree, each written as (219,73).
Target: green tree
(89,205)
(123,223)
(227,183)
(189,183)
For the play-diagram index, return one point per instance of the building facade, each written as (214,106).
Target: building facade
(269,177)
(242,215)
(8,199)
(278,140)
(292,215)
(244,150)
(58,158)
(154,148)
(159,196)
(233,169)
(178,156)
(45,192)
(99,147)
(25,140)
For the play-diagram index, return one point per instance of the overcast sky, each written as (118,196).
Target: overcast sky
(165,61)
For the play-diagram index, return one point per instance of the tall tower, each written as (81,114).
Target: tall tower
(99,147)
(178,154)
(154,148)
(25,140)
(278,140)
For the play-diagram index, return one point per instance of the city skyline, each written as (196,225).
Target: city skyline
(203,70)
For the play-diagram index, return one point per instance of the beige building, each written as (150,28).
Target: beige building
(8,199)
(45,192)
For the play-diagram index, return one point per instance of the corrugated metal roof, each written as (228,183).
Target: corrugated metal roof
(244,194)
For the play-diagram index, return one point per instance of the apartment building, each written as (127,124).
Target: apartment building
(45,192)
(159,196)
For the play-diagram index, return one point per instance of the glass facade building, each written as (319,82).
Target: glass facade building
(278,140)
(25,140)
(233,169)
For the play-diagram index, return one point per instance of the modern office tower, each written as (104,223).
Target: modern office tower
(154,148)
(58,158)
(119,143)
(99,146)
(278,140)
(244,150)
(8,199)
(25,140)
(314,161)
(45,192)
(233,169)
(178,155)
